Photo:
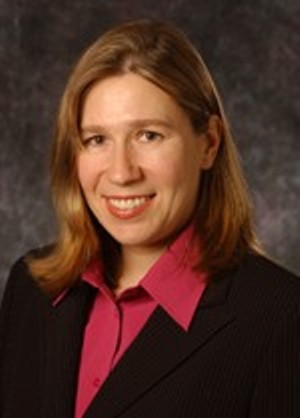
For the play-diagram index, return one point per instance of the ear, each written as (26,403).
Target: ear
(212,139)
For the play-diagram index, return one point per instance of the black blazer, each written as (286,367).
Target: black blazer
(240,358)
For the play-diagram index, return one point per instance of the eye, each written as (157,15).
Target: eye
(150,136)
(93,141)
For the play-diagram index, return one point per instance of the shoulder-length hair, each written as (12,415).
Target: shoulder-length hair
(163,55)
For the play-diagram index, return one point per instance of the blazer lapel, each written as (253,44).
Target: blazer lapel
(62,344)
(158,349)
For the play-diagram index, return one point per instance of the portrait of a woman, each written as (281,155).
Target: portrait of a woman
(156,300)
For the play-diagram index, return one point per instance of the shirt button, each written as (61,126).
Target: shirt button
(96,383)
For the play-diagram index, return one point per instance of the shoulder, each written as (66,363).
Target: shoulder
(260,270)
(262,287)
(21,288)
(22,311)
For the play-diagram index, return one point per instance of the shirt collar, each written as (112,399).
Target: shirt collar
(172,281)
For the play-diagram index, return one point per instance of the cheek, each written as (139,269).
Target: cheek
(167,166)
(185,180)
(167,174)
(86,171)
(179,174)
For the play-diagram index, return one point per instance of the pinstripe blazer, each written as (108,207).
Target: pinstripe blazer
(240,358)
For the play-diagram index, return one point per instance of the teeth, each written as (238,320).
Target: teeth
(128,203)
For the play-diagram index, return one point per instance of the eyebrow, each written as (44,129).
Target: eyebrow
(138,123)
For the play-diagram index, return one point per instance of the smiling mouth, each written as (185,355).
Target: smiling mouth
(128,203)
(128,207)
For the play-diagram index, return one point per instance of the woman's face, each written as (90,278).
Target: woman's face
(141,161)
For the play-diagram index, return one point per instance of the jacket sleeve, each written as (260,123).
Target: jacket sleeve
(5,330)
(20,344)
(277,390)
(5,310)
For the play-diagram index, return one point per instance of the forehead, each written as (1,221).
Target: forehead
(123,97)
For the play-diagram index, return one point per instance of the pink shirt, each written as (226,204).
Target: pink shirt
(114,323)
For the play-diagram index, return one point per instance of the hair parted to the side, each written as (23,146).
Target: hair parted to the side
(162,54)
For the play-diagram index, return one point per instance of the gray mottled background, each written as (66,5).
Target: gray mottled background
(251,47)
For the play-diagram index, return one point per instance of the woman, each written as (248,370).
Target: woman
(156,299)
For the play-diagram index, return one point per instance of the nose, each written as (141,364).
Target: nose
(123,167)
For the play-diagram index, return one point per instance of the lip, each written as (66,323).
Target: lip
(128,207)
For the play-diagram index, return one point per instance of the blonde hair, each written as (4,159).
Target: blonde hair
(162,54)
